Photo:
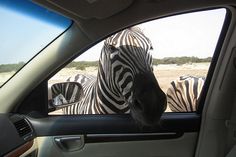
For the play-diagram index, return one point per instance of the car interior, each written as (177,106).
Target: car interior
(27,128)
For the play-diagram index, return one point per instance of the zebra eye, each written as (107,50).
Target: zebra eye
(112,55)
(112,48)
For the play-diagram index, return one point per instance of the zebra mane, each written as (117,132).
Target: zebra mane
(136,29)
(122,38)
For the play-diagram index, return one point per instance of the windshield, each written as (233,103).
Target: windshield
(26,28)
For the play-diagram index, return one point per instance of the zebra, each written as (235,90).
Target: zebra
(184,92)
(125,83)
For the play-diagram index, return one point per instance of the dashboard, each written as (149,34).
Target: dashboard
(17,137)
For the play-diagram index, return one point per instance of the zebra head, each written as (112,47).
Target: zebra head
(126,65)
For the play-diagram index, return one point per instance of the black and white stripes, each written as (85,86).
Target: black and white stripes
(183,94)
(125,82)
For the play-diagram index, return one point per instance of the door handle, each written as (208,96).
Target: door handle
(70,143)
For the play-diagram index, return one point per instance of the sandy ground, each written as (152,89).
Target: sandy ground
(67,72)
(5,76)
(167,73)
(164,74)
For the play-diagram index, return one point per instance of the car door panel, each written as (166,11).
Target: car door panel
(113,124)
(183,146)
(116,135)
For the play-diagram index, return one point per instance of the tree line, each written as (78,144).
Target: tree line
(181,60)
(81,65)
(11,67)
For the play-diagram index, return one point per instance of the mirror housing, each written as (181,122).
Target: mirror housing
(64,94)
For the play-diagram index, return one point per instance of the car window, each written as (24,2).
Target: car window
(26,29)
(181,48)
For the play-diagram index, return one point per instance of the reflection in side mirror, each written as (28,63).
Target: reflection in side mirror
(64,94)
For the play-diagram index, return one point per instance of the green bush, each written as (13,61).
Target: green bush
(180,60)
(11,67)
(82,65)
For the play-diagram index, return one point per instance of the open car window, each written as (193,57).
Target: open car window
(181,48)
(26,29)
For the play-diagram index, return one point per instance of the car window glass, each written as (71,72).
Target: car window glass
(25,30)
(181,48)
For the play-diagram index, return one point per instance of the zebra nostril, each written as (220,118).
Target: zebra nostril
(138,105)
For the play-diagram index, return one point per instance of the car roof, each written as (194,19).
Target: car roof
(97,22)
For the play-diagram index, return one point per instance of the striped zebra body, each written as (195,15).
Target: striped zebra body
(124,72)
(88,83)
(183,94)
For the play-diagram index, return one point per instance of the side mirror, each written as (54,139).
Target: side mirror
(64,94)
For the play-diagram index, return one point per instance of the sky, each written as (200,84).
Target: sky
(23,35)
(192,34)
